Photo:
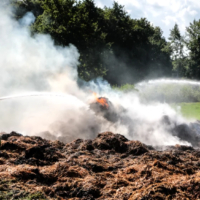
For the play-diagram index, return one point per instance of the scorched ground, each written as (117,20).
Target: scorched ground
(108,167)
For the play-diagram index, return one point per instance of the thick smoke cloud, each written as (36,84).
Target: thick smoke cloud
(55,107)
(30,65)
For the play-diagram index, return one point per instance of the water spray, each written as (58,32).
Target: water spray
(169,91)
(169,81)
(35,94)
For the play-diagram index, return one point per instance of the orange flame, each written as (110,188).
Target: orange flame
(101,100)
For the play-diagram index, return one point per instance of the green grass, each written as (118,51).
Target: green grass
(125,88)
(8,190)
(35,196)
(188,110)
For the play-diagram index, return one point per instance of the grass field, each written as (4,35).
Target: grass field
(188,110)
(176,93)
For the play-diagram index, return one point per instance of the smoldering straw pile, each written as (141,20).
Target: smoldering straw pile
(95,166)
(108,167)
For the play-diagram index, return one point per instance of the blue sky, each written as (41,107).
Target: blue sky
(162,13)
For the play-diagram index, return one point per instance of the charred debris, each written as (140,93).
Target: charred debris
(107,167)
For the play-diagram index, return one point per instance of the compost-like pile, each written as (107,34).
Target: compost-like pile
(108,167)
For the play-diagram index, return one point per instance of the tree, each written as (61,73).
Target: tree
(22,7)
(70,21)
(111,44)
(159,54)
(177,44)
(138,48)
(193,45)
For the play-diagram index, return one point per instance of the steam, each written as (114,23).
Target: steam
(170,90)
(40,94)
(27,20)
(30,65)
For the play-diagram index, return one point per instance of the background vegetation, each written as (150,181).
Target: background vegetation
(111,44)
(188,110)
(114,46)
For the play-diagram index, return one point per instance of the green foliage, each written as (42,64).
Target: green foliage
(70,21)
(8,191)
(5,191)
(137,48)
(186,51)
(111,44)
(177,44)
(188,110)
(125,88)
(34,196)
(6,195)
(193,45)
(22,7)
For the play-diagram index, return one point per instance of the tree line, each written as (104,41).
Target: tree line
(186,51)
(111,44)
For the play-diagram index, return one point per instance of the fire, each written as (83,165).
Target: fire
(101,100)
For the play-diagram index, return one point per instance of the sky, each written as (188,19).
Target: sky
(160,13)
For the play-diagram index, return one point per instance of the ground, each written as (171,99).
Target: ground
(188,110)
(109,167)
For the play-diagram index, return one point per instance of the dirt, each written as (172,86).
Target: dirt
(108,167)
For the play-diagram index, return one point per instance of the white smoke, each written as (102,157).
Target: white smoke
(28,19)
(56,107)
(34,64)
